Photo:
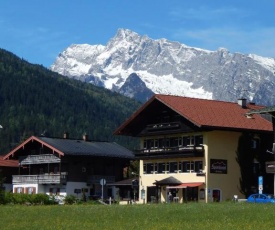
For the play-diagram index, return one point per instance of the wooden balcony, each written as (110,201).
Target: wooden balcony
(40,179)
(170,152)
(163,126)
(38,159)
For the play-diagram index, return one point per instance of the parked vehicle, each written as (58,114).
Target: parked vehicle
(261,198)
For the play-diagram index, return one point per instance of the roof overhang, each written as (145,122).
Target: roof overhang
(31,139)
(131,126)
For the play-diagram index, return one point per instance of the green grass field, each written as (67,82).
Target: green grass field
(225,215)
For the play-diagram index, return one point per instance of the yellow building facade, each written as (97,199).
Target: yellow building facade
(188,148)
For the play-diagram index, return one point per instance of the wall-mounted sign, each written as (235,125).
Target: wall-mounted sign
(270,166)
(218,166)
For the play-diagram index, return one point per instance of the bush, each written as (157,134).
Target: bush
(41,198)
(21,198)
(70,199)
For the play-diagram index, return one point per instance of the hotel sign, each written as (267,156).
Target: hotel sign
(218,166)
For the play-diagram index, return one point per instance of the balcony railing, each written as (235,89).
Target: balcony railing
(38,159)
(163,126)
(167,152)
(40,179)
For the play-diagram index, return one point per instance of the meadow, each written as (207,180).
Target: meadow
(212,216)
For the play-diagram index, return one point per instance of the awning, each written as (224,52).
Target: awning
(169,181)
(185,185)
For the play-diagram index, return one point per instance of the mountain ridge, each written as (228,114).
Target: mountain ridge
(169,67)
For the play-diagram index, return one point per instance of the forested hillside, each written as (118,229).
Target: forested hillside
(35,100)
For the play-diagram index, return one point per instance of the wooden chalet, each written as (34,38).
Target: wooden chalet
(64,166)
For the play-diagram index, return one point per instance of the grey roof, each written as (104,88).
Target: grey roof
(88,148)
(126,182)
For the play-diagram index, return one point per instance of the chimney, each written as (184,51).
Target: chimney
(85,137)
(242,102)
(66,135)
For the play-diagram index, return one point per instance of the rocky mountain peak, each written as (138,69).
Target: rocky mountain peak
(169,67)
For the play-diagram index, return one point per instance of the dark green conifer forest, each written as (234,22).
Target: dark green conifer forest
(35,101)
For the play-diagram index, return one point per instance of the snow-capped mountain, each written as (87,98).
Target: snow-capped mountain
(168,67)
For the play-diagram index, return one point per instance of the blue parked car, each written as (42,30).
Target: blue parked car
(261,198)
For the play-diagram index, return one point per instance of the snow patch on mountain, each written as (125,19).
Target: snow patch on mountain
(268,63)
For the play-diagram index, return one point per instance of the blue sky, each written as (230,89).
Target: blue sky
(39,30)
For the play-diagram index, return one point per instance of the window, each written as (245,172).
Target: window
(161,143)
(156,143)
(30,190)
(55,191)
(198,140)
(180,167)
(161,167)
(192,140)
(145,144)
(148,168)
(185,165)
(151,143)
(198,166)
(19,190)
(185,141)
(190,166)
(173,167)
(167,167)
(175,142)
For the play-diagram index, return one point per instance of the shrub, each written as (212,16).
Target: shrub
(21,198)
(70,199)
(41,198)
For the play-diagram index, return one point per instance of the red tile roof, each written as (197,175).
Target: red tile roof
(212,113)
(8,163)
(207,113)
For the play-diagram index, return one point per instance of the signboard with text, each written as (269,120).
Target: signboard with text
(218,166)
